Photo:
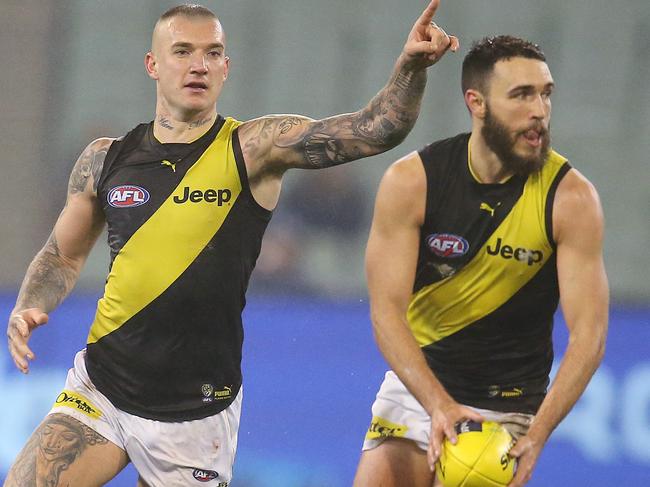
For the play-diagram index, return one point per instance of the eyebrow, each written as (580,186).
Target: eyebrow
(214,45)
(529,87)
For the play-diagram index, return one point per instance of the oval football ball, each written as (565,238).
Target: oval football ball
(479,458)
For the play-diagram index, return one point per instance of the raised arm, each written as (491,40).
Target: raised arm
(391,259)
(55,269)
(584,296)
(279,142)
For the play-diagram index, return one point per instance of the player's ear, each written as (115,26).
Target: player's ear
(226,68)
(151,65)
(476,103)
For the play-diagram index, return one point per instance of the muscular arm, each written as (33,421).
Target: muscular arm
(391,260)
(55,269)
(276,143)
(584,296)
(283,141)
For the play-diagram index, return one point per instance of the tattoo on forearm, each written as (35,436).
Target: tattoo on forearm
(51,450)
(381,125)
(49,279)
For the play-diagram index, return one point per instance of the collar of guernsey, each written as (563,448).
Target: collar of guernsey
(483,284)
(156,241)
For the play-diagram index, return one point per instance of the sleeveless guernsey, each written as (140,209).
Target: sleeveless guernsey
(184,233)
(486,282)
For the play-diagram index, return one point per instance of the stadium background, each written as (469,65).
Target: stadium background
(72,71)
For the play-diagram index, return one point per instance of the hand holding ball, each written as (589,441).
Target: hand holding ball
(479,458)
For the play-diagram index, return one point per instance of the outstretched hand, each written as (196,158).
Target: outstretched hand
(427,42)
(19,330)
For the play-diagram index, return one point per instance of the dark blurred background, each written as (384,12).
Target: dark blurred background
(72,70)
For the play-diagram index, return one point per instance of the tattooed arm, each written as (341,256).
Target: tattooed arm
(55,269)
(279,142)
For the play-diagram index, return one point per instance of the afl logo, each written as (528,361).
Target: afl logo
(127,196)
(204,475)
(447,245)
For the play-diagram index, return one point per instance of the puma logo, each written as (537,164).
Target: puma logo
(165,162)
(488,208)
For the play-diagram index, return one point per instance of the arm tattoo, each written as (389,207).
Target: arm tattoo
(48,280)
(380,126)
(90,163)
(53,447)
(50,276)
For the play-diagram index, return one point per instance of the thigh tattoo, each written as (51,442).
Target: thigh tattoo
(53,447)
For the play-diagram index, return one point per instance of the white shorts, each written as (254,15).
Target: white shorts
(165,454)
(397,414)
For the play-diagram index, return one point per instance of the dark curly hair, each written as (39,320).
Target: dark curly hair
(484,54)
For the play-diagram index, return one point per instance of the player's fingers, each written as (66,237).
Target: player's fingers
(450,433)
(435,445)
(18,324)
(20,354)
(516,450)
(432,456)
(522,476)
(474,415)
(429,12)
(455,43)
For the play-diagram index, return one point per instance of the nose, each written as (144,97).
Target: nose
(540,107)
(199,64)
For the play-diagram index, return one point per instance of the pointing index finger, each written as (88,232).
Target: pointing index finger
(428,13)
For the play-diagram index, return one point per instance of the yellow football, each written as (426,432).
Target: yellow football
(479,458)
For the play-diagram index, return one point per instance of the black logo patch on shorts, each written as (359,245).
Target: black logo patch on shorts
(204,475)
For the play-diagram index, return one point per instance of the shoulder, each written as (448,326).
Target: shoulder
(87,170)
(576,206)
(406,175)
(450,147)
(402,191)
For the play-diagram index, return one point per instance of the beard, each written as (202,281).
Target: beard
(499,139)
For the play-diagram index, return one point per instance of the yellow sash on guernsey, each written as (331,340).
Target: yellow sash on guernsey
(171,239)
(509,259)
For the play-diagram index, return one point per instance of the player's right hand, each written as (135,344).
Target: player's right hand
(443,424)
(19,330)
(428,42)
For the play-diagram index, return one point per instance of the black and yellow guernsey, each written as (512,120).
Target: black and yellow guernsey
(486,282)
(184,233)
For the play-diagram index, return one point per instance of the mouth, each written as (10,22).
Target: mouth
(196,86)
(534,136)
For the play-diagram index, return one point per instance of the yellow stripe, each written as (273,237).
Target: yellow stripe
(489,281)
(78,402)
(382,428)
(166,244)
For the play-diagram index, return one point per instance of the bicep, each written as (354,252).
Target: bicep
(584,291)
(82,220)
(281,142)
(392,251)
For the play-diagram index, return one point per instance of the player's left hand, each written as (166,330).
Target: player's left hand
(427,42)
(526,451)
